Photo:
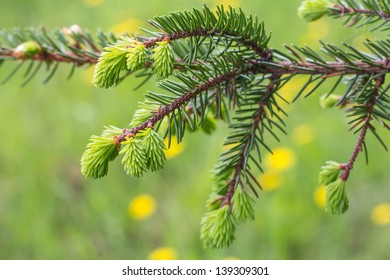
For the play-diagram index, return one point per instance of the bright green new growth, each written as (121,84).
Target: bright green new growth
(154,148)
(329,100)
(127,54)
(140,153)
(136,56)
(163,59)
(311,10)
(111,63)
(134,157)
(27,50)
(329,172)
(217,228)
(336,200)
(144,112)
(242,205)
(100,151)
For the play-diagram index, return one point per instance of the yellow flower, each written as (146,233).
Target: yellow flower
(316,31)
(291,89)
(87,75)
(163,253)
(281,159)
(92,3)
(127,26)
(141,207)
(233,3)
(231,258)
(319,196)
(359,41)
(270,180)
(380,215)
(174,149)
(303,134)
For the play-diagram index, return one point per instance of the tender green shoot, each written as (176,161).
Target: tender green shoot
(311,10)
(163,59)
(329,172)
(27,50)
(242,205)
(154,148)
(217,228)
(329,100)
(144,112)
(336,200)
(134,157)
(136,56)
(100,151)
(111,63)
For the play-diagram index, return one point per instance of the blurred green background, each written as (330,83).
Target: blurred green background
(49,211)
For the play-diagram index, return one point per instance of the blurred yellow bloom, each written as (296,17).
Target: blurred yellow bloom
(380,215)
(233,3)
(316,31)
(92,3)
(281,159)
(163,253)
(270,180)
(303,134)
(141,207)
(359,41)
(291,89)
(319,196)
(87,75)
(174,149)
(127,26)
(231,258)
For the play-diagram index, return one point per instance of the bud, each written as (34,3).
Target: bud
(75,29)
(163,59)
(136,56)
(329,172)
(242,205)
(154,147)
(100,151)
(336,200)
(134,157)
(217,228)
(329,100)
(27,50)
(111,62)
(311,10)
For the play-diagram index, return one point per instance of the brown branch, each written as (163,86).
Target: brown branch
(342,10)
(166,110)
(328,69)
(262,65)
(206,33)
(46,56)
(256,121)
(347,167)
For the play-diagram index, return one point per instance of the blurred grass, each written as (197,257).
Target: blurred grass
(49,211)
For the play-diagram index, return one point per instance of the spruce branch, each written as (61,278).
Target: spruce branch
(219,65)
(365,12)
(165,110)
(71,45)
(365,125)
(355,12)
